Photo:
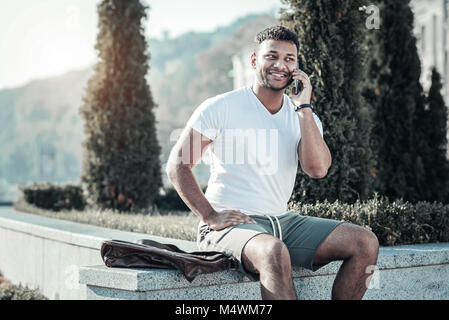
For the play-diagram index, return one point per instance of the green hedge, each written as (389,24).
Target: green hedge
(394,222)
(169,199)
(9,291)
(54,197)
(19,292)
(70,197)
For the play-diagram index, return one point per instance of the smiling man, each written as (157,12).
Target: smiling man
(244,210)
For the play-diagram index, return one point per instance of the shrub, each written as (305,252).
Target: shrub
(121,166)
(169,224)
(19,292)
(169,199)
(70,197)
(394,223)
(9,291)
(54,197)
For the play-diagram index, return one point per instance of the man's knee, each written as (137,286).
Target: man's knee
(367,244)
(276,254)
(267,253)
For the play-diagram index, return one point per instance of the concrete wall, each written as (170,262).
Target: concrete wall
(62,259)
(46,253)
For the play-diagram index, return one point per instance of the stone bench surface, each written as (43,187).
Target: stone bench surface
(140,279)
(410,272)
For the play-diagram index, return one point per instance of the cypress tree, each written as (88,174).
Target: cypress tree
(431,144)
(121,166)
(373,67)
(331,35)
(395,96)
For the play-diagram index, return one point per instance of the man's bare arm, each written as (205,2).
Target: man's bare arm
(313,153)
(184,156)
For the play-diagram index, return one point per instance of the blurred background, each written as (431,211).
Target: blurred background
(198,49)
(47,55)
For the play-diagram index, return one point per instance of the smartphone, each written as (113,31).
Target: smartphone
(298,85)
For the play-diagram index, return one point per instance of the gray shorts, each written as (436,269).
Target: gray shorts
(301,234)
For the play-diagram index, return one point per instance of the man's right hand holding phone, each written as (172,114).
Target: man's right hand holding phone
(305,94)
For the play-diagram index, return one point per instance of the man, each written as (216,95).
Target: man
(243,212)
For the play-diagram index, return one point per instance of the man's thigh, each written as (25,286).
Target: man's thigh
(343,242)
(304,235)
(295,237)
(257,251)
(230,241)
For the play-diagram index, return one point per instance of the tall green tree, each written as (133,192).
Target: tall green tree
(121,166)
(373,68)
(395,95)
(431,143)
(331,35)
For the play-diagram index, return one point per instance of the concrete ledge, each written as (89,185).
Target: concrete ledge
(404,272)
(62,258)
(46,253)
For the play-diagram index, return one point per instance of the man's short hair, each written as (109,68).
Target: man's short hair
(276,33)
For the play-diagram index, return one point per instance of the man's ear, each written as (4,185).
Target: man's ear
(253,60)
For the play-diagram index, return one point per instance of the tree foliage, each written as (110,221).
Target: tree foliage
(121,166)
(330,35)
(430,129)
(403,126)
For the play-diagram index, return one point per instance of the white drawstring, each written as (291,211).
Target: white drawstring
(274,229)
(272,225)
(280,230)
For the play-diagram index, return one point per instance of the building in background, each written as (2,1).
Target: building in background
(431,30)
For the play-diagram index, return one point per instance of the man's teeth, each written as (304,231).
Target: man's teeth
(278,75)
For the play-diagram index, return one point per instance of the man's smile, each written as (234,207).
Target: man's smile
(278,75)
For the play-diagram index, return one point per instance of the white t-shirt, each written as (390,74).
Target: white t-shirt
(253,156)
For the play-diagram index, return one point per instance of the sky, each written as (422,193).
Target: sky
(44,38)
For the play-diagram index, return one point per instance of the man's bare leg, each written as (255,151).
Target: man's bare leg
(358,248)
(268,256)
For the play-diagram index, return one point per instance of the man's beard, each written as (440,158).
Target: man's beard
(266,83)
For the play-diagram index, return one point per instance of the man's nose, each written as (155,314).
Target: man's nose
(280,64)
